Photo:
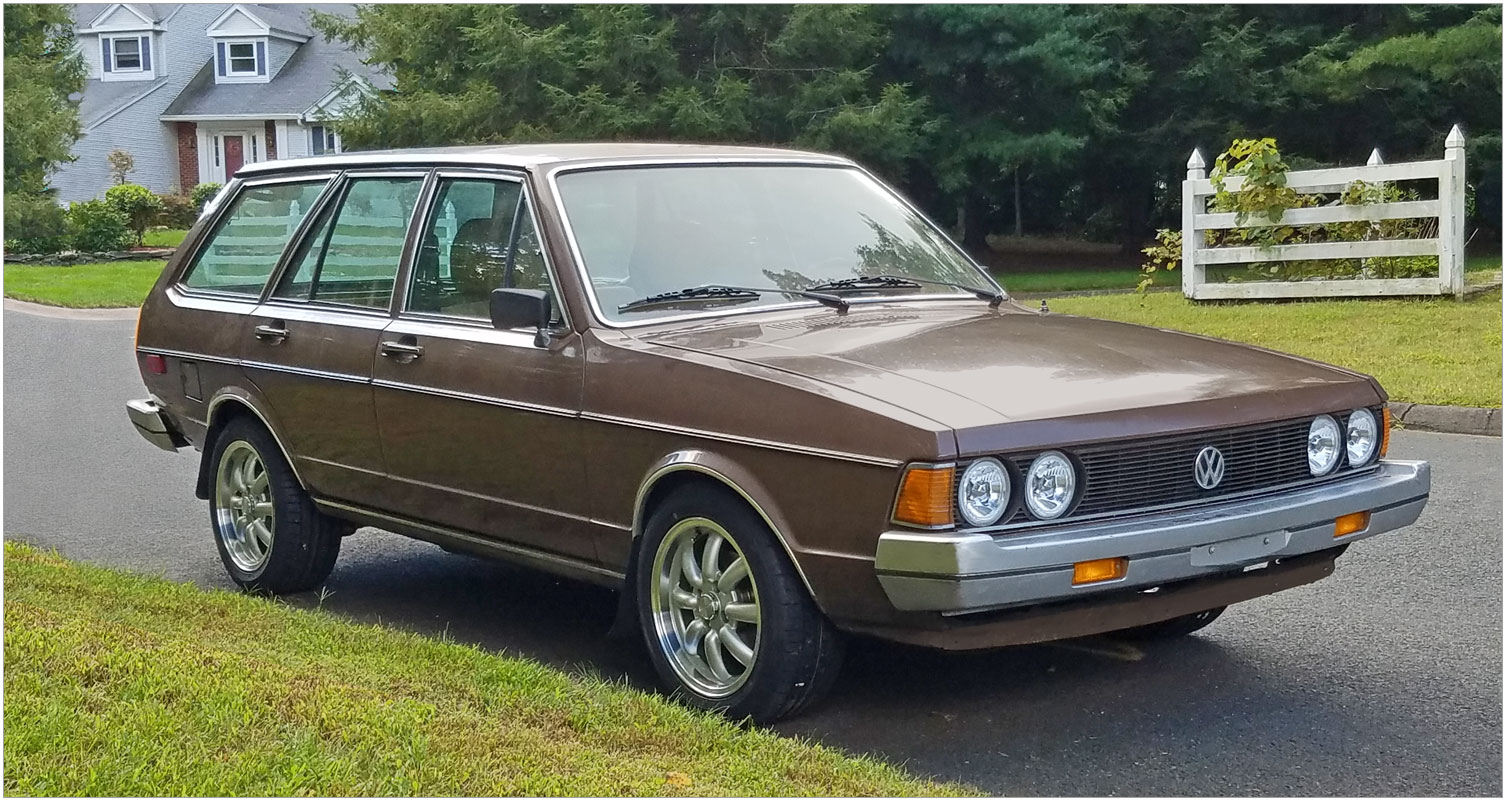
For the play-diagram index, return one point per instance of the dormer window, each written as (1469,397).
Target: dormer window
(242,59)
(126,55)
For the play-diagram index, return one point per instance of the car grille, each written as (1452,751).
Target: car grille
(1124,477)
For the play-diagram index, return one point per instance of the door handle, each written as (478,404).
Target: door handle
(274,332)
(404,351)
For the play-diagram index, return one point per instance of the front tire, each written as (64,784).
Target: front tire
(269,534)
(729,625)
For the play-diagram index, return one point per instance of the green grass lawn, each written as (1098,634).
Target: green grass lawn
(1477,269)
(119,684)
(83,286)
(1422,351)
(163,238)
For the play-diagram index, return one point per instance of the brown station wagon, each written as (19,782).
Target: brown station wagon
(753,389)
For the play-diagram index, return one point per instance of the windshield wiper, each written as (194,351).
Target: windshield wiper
(864,282)
(993,297)
(715,292)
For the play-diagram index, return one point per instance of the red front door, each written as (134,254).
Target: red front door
(235,155)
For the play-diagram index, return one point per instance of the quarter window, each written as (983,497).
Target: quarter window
(352,256)
(245,245)
(480,237)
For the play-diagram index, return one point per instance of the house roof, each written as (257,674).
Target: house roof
(102,98)
(312,71)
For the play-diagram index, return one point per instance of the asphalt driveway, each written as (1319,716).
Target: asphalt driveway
(1382,680)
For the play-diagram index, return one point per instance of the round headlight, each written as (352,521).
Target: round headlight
(1323,445)
(1362,438)
(1050,485)
(983,492)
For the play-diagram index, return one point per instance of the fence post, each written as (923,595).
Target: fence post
(1375,158)
(1192,238)
(1451,214)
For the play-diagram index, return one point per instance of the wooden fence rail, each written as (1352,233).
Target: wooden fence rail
(1447,245)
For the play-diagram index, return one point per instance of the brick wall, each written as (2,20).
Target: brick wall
(188,157)
(271,129)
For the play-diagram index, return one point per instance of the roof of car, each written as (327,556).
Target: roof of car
(534,155)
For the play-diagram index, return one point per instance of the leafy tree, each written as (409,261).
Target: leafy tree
(122,164)
(42,70)
(751,74)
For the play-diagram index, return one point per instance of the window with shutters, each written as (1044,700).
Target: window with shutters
(241,61)
(125,58)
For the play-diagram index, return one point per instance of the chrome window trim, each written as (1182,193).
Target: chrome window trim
(529,196)
(363,317)
(463,331)
(209,301)
(220,206)
(590,290)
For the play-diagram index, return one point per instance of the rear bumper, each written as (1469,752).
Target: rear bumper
(957,573)
(153,426)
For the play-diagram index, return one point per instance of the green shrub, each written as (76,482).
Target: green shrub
(93,225)
(34,224)
(178,211)
(203,193)
(137,203)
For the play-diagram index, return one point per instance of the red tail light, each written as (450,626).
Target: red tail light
(155,364)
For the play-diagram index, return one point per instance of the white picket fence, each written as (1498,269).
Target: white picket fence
(1448,245)
(377,249)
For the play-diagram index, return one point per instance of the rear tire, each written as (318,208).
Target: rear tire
(728,622)
(269,534)
(1174,627)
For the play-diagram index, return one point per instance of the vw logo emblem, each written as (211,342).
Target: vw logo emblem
(1208,468)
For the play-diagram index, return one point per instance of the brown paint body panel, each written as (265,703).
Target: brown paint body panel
(810,412)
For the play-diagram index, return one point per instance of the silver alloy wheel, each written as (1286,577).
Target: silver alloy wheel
(244,518)
(705,607)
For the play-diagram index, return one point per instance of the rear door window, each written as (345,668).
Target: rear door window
(353,255)
(244,247)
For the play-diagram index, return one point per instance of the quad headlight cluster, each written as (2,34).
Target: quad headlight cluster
(985,492)
(1327,442)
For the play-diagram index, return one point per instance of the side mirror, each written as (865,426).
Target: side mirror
(522,308)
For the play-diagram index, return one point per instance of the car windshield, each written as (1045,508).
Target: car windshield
(646,231)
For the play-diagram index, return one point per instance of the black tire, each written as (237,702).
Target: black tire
(303,543)
(1174,627)
(797,653)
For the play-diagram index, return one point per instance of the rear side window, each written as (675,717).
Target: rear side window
(244,247)
(352,256)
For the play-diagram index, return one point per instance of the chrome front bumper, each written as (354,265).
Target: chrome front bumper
(146,416)
(959,572)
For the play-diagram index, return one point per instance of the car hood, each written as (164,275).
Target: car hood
(965,365)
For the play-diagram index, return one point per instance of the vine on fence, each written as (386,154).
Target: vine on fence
(1264,197)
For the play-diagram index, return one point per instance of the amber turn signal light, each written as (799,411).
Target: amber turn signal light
(925,497)
(1385,430)
(1348,524)
(1099,570)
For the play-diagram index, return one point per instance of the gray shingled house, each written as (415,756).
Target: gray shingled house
(193,92)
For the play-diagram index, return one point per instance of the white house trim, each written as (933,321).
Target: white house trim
(221,26)
(225,117)
(314,113)
(99,24)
